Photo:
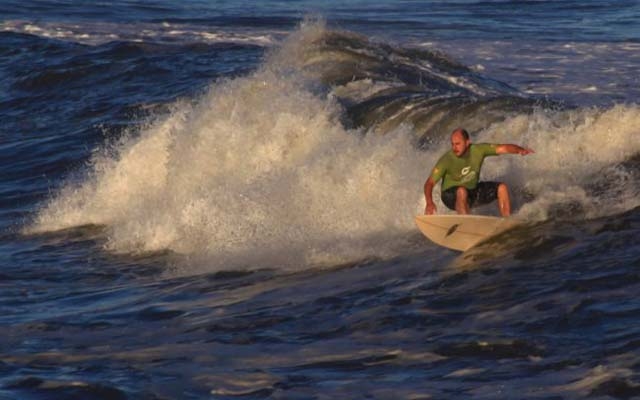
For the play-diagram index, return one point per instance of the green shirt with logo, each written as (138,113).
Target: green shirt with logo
(465,170)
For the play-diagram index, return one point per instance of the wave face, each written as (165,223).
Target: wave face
(318,157)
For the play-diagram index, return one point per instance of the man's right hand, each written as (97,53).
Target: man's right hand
(428,189)
(430,209)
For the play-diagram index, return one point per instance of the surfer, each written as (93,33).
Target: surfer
(459,170)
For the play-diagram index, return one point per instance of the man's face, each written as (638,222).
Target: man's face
(459,144)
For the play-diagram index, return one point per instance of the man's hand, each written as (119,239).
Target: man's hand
(513,149)
(428,189)
(524,151)
(430,209)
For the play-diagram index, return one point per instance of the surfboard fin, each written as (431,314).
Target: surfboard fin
(452,230)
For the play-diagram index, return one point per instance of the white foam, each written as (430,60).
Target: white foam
(576,151)
(258,172)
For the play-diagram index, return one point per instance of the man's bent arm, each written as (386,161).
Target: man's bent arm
(512,149)
(428,195)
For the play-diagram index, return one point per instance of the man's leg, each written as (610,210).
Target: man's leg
(462,200)
(504,202)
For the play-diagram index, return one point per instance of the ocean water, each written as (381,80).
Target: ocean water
(215,199)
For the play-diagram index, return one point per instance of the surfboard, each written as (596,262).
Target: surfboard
(462,232)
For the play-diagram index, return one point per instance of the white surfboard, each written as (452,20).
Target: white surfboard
(462,232)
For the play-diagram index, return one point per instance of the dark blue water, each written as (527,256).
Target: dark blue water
(216,200)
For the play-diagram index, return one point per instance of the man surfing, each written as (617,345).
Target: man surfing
(459,170)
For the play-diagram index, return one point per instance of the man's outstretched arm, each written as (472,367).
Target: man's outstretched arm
(513,149)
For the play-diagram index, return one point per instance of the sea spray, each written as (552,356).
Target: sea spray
(581,164)
(258,171)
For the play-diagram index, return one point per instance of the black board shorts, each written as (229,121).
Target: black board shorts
(484,193)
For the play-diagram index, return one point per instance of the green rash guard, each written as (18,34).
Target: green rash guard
(462,171)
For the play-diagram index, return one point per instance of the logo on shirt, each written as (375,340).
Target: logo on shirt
(467,174)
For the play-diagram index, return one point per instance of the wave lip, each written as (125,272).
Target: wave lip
(384,86)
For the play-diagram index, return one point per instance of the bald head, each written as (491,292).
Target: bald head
(460,131)
(460,141)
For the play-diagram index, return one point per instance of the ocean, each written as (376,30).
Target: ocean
(216,199)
